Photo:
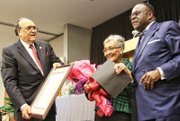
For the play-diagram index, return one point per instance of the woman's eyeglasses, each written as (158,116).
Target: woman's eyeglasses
(110,49)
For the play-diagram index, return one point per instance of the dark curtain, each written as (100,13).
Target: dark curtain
(165,10)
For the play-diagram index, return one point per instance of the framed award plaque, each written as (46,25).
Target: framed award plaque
(49,91)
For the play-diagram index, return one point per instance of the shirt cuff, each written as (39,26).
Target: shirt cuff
(23,106)
(161,73)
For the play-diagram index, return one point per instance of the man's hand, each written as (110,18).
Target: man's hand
(56,65)
(149,78)
(26,112)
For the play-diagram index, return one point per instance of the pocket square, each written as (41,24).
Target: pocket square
(156,40)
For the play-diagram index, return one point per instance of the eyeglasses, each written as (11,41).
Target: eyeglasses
(110,49)
(136,14)
(29,28)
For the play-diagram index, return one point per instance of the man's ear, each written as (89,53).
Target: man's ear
(17,32)
(150,15)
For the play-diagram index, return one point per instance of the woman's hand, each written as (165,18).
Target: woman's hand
(119,67)
(87,88)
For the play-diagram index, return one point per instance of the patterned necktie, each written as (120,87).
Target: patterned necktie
(34,51)
(140,38)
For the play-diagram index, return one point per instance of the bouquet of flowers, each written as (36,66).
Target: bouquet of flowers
(81,74)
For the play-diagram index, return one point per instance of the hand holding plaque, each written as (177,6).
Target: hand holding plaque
(53,83)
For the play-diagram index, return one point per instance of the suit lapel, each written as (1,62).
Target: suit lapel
(25,54)
(148,35)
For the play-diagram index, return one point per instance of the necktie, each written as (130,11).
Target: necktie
(136,54)
(140,38)
(34,51)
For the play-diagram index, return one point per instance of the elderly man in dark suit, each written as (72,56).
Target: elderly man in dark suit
(156,66)
(23,71)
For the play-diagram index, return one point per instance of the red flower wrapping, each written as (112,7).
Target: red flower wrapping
(97,93)
(83,70)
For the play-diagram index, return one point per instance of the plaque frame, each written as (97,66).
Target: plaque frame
(41,104)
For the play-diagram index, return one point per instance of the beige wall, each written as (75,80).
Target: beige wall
(58,46)
(3,43)
(77,40)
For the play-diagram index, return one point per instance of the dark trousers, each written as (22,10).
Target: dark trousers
(48,118)
(116,116)
(134,115)
(169,118)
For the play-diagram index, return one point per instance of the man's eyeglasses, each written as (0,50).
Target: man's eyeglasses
(110,49)
(136,14)
(29,28)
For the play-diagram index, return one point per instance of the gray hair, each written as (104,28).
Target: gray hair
(117,39)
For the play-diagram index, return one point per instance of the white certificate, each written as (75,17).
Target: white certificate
(49,90)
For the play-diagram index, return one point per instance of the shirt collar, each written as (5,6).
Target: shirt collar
(26,45)
(148,26)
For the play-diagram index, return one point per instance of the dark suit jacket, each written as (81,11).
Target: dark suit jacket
(160,48)
(21,76)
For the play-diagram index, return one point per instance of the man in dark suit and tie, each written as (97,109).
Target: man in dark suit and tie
(24,68)
(156,66)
